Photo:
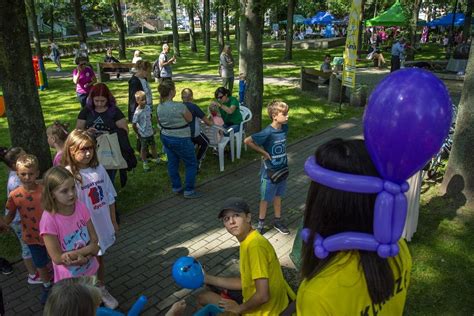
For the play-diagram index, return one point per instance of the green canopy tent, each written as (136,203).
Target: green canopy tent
(297,19)
(395,16)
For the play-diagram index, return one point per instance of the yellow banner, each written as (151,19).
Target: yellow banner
(350,51)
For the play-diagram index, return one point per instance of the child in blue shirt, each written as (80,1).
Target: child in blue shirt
(242,87)
(271,143)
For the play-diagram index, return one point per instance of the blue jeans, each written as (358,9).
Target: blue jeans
(180,148)
(236,128)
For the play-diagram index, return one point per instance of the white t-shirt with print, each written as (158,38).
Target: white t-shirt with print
(97,192)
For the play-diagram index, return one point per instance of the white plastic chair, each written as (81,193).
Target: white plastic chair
(240,135)
(218,141)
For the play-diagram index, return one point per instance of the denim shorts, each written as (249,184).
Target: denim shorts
(39,255)
(269,190)
(25,251)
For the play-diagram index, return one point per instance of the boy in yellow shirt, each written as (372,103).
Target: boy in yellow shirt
(261,288)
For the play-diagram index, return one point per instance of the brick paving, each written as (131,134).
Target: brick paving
(153,237)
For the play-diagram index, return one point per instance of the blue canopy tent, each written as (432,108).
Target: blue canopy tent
(297,19)
(323,18)
(344,21)
(447,20)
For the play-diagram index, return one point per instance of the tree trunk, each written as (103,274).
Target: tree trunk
(121,28)
(416,5)
(174,24)
(31,13)
(23,108)
(203,28)
(237,28)
(80,21)
(51,7)
(243,37)
(254,92)
(192,34)
(289,30)
(220,25)
(207,23)
(227,27)
(459,176)
(466,33)
(361,28)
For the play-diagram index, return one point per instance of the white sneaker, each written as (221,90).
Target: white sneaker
(107,298)
(34,279)
(58,69)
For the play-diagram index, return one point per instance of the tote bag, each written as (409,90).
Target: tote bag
(108,152)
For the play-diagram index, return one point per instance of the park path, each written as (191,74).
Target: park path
(153,237)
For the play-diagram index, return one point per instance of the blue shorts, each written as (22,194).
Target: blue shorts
(269,190)
(25,251)
(39,255)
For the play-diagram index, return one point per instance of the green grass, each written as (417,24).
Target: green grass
(443,257)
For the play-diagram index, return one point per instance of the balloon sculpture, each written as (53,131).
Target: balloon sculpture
(406,120)
(187,272)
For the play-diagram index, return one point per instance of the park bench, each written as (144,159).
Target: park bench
(312,78)
(104,70)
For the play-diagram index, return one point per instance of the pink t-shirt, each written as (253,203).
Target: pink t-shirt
(85,76)
(72,234)
(57,158)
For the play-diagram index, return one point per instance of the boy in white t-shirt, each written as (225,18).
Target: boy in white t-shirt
(142,125)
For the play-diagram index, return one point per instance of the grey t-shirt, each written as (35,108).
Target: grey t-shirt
(165,72)
(227,66)
(170,114)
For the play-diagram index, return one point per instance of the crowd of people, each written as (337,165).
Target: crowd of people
(67,221)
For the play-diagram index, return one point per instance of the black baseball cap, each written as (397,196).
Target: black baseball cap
(235,204)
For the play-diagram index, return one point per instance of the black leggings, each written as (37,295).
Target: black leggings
(202,142)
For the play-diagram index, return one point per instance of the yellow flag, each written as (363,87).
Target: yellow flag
(350,51)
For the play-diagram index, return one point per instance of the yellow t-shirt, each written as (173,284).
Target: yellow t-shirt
(258,260)
(341,289)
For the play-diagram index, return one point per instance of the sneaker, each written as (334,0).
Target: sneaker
(5,267)
(34,279)
(58,69)
(45,293)
(194,195)
(146,167)
(261,227)
(281,227)
(178,192)
(163,157)
(107,298)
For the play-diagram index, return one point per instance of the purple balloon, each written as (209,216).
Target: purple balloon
(406,121)
(383,217)
(349,241)
(342,181)
(399,216)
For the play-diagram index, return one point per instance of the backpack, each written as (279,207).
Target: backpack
(156,69)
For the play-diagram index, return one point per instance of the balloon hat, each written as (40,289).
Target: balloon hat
(407,118)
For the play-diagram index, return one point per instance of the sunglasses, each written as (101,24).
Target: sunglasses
(85,149)
(219,97)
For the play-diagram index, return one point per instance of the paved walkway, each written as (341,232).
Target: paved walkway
(153,237)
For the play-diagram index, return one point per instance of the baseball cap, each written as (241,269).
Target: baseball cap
(235,204)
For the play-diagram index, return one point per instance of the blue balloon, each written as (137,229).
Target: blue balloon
(405,123)
(187,273)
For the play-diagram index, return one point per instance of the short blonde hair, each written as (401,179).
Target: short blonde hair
(140,94)
(27,161)
(186,94)
(53,178)
(73,297)
(275,107)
